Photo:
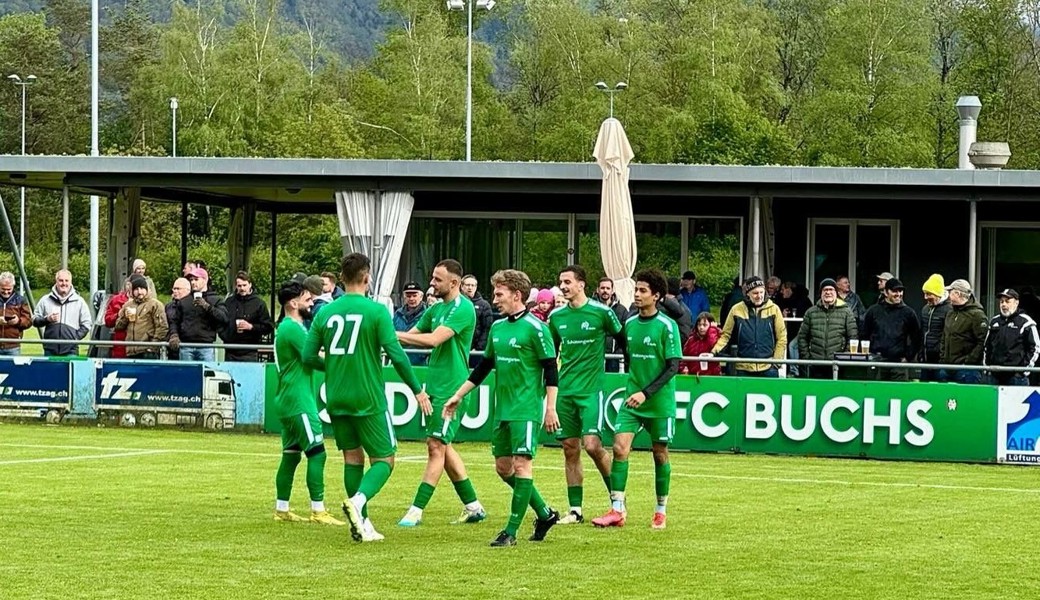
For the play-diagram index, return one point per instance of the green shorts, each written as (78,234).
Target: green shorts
(580,415)
(661,429)
(437,428)
(374,433)
(515,438)
(301,432)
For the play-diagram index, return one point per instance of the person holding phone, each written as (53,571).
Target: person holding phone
(200,315)
(17,315)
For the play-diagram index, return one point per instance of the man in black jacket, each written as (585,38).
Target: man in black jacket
(893,329)
(199,316)
(249,321)
(1012,341)
(933,322)
(605,294)
(485,317)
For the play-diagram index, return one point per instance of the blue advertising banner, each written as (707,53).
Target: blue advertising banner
(165,394)
(160,386)
(28,384)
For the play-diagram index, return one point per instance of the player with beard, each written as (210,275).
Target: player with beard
(446,327)
(298,412)
(579,329)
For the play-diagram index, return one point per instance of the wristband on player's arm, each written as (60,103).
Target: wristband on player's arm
(483,369)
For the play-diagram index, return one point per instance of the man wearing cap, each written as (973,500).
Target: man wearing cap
(200,315)
(692,295)
(933,322)
(407,317)
(143,318)
(964,334)
(249,321)
(826,329)
(1011,341)
(893,329)
(756,327)
(882,279)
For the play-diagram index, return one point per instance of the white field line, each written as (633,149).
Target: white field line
(273,454)
(81,457)
(420,459)
(837,482)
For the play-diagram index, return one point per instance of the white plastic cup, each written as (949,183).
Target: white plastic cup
(131,313)
(865,346)
(854,346)
(197,295)
(704,363)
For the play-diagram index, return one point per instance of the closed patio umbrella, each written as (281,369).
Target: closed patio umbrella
(617,232)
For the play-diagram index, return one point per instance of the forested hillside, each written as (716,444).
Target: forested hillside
(813,82)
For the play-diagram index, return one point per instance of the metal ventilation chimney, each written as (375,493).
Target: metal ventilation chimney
(968,108)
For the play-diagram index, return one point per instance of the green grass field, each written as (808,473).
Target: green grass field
(107,513)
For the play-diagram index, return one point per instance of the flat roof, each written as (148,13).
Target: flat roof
(303,185)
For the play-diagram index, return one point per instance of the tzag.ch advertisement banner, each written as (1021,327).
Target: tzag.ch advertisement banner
(27,383)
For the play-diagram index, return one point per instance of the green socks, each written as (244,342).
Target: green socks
(618,475)
(316,476)
(352,476)
(523,494)
(465,490)
(283,479)
(662,479)
(606,482)
(375,478)
(423,495)
(537,503)
(574,496)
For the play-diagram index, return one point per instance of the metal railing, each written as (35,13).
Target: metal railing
(835,365)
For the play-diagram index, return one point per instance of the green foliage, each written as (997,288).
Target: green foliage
(817,82)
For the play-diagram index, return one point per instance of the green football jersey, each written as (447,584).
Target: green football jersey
(651,342)
(518,347)
(295,383)
(354,331)
(581,334)
(449,362)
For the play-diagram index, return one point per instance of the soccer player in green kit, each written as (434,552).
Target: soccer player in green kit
(353,331)
(521,353)
(447,327)
(579,329)
(653,350)
(298,412)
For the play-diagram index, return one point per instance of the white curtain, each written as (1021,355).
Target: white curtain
(375,224)
(617,230)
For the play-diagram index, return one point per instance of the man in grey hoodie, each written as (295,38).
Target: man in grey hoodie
(62,315)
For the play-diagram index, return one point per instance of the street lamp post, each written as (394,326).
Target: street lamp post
(24,84)
(460,5)
(173,108)
(619,87)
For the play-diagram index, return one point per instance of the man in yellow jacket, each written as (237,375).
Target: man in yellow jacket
(756,328)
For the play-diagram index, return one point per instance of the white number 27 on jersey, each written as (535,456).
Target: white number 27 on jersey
(338,322)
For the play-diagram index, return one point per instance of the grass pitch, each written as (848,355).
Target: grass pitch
(108,513)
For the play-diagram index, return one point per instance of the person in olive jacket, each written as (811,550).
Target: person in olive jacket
(964,336)
(249,321)
(826,329)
